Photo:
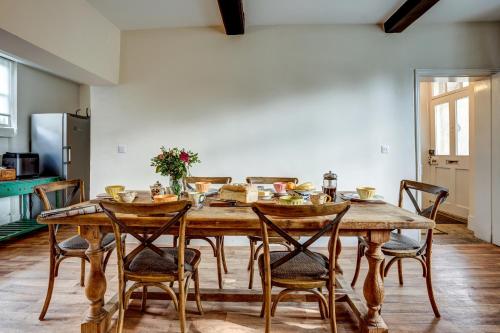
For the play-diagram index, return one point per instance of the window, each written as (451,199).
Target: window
(443,87)
(8,100)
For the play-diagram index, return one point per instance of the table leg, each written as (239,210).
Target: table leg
(24,207)
(373,289)
(97,318)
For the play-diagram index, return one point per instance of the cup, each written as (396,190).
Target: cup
(196,198)
(112,190)
(202,187)
(366,192)
(320,198)
(279,187)
(127,196)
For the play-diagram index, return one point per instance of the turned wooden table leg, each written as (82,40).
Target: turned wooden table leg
(373,288)
(96,319)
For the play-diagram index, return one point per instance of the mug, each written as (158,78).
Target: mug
(320,198)
(196,197)
(279,187)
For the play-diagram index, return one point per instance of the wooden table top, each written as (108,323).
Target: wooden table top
(361,216)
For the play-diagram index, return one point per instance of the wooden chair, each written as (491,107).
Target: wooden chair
(149,265)
(254,240)
(218,247)
(299,269)
(400,247)
(73,247)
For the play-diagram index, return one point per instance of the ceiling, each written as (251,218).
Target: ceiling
(148,14)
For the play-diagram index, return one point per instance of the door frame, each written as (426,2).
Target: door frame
(419,75)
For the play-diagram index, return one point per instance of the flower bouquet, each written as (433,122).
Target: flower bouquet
(175,163)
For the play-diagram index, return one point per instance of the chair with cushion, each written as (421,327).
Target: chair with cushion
(148,265)
(401,247)
(299,269)
(73,247)
(254,240)
(218,247)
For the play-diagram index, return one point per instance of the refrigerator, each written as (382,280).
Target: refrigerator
(62,141)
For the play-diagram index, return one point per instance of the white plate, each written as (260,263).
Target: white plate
(355,196)
(103,196)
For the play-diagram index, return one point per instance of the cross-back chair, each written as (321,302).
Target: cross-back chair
(73,247)
(149,265)
(401,247)
(218,247)
(299,269)
(254,240)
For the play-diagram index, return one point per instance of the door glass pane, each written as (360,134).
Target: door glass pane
(438,88)
(450,86)
(462,126)
(442,128)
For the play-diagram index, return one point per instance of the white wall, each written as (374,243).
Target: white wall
(295,101)
(69,38)
(37,92)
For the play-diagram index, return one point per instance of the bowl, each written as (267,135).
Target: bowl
(202,187)
(366,192)
(291,200)
(127,196)
(113,190)
(165,198)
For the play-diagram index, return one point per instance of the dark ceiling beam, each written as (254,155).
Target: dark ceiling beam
(232,16)
(408,13)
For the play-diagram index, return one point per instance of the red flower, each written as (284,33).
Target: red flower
(184,157)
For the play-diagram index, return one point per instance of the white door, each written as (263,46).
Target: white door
(451,129)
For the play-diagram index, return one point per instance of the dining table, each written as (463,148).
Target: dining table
(373,221)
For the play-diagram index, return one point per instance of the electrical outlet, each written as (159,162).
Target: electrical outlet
(384,149)
(122,149)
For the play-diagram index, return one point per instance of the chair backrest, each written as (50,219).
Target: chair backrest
(72,188)
(74,192)
(332,212)
(174,214)
(213,180)
(439,192)
(271,180)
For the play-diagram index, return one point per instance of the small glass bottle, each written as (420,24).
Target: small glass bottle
(330,184)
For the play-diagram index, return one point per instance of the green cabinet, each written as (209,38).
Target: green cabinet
(23,189)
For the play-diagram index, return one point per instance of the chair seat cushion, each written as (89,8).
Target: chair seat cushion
(79,243)
(401,242)
(299,267)
(150,262)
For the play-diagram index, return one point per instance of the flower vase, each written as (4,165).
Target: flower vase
(176,185)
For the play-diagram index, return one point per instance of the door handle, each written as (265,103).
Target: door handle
(68,154)
(451,161)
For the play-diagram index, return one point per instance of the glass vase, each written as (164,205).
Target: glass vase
(176,185)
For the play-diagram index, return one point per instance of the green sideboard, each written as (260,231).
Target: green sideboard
(24,189)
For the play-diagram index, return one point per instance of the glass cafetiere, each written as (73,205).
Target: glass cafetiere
(330,184)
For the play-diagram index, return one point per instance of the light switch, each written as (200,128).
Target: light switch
(122,149)
(384,149)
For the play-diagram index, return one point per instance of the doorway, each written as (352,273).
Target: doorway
(455,118)
(451,127)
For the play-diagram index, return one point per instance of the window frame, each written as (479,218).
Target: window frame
(10,129)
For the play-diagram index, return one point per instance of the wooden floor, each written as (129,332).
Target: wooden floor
(466,277)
